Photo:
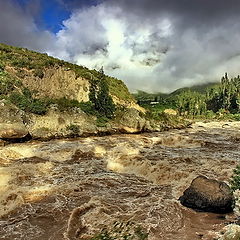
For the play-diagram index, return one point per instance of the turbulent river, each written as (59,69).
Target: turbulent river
(71,189)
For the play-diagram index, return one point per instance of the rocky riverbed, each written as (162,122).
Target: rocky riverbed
(71,189)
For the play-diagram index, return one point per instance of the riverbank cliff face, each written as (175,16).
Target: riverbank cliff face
(32,85)
(17,125)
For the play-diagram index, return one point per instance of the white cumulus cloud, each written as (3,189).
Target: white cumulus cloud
(103,36)
(152,45)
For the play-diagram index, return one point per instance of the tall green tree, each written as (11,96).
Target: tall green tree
(99,96)
(225,96)
(191,103)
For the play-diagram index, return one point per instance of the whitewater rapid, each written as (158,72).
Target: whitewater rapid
(71,189)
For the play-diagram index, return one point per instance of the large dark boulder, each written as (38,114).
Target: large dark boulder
(208,195)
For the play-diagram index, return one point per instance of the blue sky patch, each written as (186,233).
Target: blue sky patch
(52,13)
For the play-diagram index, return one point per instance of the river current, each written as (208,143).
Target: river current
(71,189)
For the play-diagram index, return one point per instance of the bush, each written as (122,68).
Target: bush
(38,107)
(236,117)
(87,107)
(74,129)
(2,67)
(6,83)
(235,181)
(38,73)
(125,231)
(210,114)
(21,63)
(6,87)
(26,103)
(65,104)
(102,121)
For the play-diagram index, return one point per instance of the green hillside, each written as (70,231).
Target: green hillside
(201,88)
(21,59)
(206,100)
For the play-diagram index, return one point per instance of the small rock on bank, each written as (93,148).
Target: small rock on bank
(231,232)
(208,195)
(13,131)
(11,123)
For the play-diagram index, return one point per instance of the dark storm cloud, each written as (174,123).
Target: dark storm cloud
(152,45)
(203,43)
(17,26)
(76,4)
(201,10)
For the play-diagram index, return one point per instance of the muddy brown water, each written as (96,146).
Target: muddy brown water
(71,189)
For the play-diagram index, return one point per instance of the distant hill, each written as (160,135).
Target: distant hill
(201,88)
(144,97)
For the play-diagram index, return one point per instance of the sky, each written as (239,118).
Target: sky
(152,45)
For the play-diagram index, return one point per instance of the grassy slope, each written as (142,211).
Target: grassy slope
(20,58)
(197,88)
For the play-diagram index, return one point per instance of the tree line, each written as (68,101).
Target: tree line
(224,97)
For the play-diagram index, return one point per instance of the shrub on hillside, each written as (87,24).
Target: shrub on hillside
(38,73)
(26,103)
(74,129)
(65,104)
(88,108)
(7,83)
(2,67)
(5,87)
(235,181)
(102,121)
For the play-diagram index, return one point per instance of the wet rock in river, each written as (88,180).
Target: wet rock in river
(208,195)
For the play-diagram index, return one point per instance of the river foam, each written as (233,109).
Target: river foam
(74,188)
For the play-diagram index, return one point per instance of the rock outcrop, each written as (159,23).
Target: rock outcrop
(56,124)
(132,122)
(16,125)
(208,195)
(13,131)
(57,83)
(11,122)
(170,112)
(231,232)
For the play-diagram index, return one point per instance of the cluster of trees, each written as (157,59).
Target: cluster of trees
(223,97)
(191,103)
(203,99)
(99,96)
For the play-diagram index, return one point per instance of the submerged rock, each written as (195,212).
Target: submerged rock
(208,195)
